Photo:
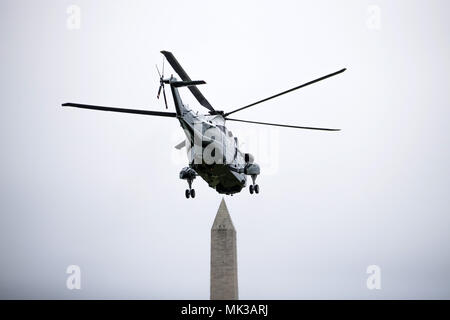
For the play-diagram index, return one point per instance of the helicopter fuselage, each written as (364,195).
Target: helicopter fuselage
(211,148)
(213,152)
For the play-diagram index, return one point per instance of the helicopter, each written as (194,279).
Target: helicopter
(212,150)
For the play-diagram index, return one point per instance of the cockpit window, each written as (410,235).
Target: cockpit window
(222,128)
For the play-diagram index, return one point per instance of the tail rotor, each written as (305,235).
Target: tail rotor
(161,84)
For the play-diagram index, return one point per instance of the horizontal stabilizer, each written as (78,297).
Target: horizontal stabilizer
(187,83)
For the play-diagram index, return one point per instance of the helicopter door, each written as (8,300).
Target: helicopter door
(196,150)
(229,147)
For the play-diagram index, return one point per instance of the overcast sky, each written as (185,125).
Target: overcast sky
(101,190)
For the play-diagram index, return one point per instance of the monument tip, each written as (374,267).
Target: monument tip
(223,219)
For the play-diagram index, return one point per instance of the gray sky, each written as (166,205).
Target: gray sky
(101,190)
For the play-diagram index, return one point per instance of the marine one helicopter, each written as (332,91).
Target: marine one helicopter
(212,150)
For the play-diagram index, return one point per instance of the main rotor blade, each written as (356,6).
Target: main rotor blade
(282,125)
(101,108)
(287,91)
(184,76)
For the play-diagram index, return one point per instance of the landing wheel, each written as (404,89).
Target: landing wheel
(188,193)
(192,193)
(251,189)
(256,188)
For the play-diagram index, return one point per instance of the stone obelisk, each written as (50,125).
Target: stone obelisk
(224,281)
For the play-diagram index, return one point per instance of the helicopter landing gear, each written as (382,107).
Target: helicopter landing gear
(253,187)
(189,175)
(189,193)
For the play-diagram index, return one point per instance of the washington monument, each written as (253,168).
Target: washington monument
(224,280)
